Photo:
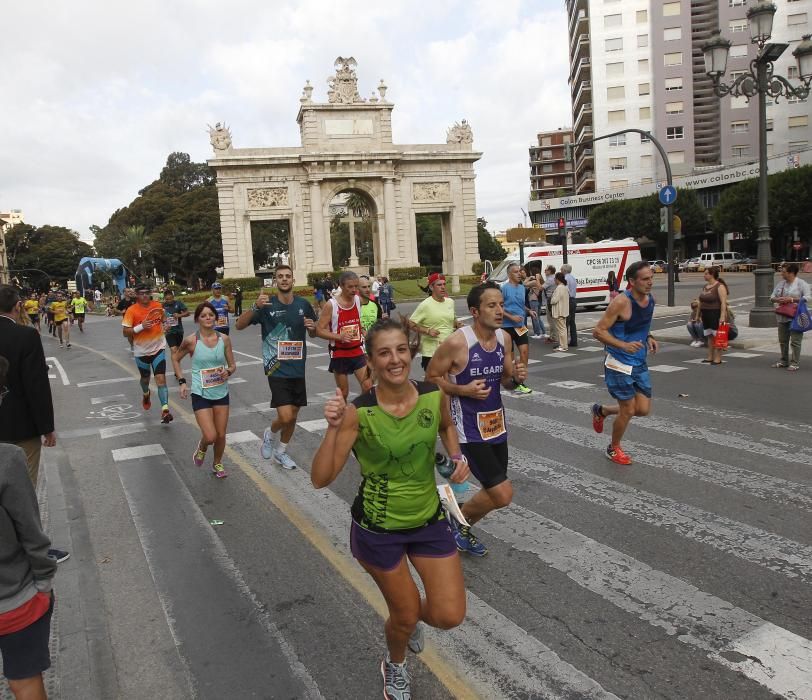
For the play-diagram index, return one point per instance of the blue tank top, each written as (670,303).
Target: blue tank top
(636,328)
(221,305)
(480,420)
(209,379)
(514,296)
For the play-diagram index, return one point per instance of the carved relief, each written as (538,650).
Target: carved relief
(343,86)
(460,133)
(266,197)
(431,192)
(220,136)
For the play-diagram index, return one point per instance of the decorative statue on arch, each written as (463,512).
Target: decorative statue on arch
(343,86)
(220,136)
(460,133)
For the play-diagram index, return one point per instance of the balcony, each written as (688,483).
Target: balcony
(585,182)
(585,133)
(584,116)
(580,51)
(578,24)
(582,71)
(584,89)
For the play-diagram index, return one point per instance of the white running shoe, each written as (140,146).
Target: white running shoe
(266,448)
(284,459)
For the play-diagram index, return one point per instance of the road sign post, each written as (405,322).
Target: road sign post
(562,231)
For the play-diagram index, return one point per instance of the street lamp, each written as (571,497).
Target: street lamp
(760,80)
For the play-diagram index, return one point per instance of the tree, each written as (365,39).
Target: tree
(55,250)
(429,241)
(269,239)
(489,247)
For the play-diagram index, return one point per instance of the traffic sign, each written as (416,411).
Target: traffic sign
(668,195)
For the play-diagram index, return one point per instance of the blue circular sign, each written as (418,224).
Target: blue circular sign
(668,195)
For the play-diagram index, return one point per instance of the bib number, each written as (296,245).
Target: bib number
(171,321)
(212,377)
(354,334)
(491,424)
(222,321)
(521,330)
(617,365)
(289,349)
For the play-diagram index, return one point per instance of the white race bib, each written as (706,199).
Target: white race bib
(212,377)
(615,364)
(222,321)
(289,350)
(491,424)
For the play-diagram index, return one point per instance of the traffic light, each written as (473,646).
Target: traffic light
(562,224)
(663,219)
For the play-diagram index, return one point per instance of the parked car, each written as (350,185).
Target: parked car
(691,265)
(658,265)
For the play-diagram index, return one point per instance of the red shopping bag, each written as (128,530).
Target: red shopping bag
(722,334)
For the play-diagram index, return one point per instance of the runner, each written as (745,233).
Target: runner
(470,366)
(31,307)
(514,315)
(173,324)
(212,366)
(433,318)
(78,307)
(624,330)
(283,320)
(59,310)
(370,309)
(222,306)
(397,518)
(53,295)
(143,322)
(340,323)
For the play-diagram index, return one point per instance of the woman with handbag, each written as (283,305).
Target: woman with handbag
(713,310)
(786,296)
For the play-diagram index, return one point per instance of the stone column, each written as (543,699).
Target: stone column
(322,255)
(390,252)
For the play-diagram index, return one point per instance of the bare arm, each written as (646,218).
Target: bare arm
(232,366)
(183,350)
(613,312)
(442,362)
(323,325)
(451,442)
(723,301)
(342,431)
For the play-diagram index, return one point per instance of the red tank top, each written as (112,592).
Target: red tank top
(343,318)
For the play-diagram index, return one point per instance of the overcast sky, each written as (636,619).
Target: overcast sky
(95,94)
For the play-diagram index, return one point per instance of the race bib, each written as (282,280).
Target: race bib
(222,321)
(521,330)
(171,321)
(212,377)
(617,365)
(289,349)
(354,334)
(491,424)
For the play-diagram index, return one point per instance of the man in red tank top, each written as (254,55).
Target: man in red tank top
(340,323)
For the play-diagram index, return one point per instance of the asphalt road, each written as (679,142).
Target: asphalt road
(686,575)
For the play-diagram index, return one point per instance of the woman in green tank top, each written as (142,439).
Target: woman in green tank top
(397,517)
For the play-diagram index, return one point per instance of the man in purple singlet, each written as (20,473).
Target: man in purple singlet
(470,366)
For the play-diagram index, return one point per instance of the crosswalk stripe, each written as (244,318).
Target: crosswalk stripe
(666,368)
(118,430)
(312,426)
(104,399)
(241,437)
(137,452)
(97,382)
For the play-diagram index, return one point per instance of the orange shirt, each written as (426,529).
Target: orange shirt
(150,340)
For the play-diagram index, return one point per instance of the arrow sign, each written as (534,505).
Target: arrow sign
(668,195)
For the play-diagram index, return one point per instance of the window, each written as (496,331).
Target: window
(645,162)
(643,89)
(673,108)
(614,70)
(547,168)
(617,164)
(642,41)
(738,102)
(798,145)
(676,157)
(642,65)
(794,100)
(568,179)
(673,83)
(673,59)
(645,113)
(736,3)
(670,9)
(802,120)
(614,44)
(675,133)
(617,184)
(646,181)
(741,127)
(738,25)
(567,138)
(740,151)
(792,72)
(546,155)
(615,93)
(793,20)
(672,34)
(644,139)
(738,50)
(734,74)
(769,126)
(546,140)
(642,16)
(617,115)
(612,20)
(619,140)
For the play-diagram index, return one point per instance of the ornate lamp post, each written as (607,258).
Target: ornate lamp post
(760,80)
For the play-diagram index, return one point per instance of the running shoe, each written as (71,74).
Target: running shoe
(418,639)
(266,448)
(146,401)
(284,459)
(59,555)
(219,471)
(522,389)
(166,416)
(68,345)
(618,456)
(467,542)
(396,681)
(597,417)
(199,456)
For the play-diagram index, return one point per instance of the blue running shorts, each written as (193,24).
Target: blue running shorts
(623,387)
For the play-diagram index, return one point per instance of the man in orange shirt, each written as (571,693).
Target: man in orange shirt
(143,326)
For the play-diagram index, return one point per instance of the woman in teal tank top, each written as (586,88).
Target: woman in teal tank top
(212,365)
(397,517)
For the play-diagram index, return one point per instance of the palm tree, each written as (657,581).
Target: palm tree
(358,205)
(137,248)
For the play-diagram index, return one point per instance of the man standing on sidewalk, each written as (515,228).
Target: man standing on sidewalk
(572,288)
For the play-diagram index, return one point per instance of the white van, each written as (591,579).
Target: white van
(591,263)
(726,261)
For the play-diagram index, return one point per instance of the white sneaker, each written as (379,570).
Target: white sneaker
(284,459)
(266,448)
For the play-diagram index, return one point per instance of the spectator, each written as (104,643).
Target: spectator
(386,297)
(786,295)
(237,300)
(695,327)
(560,310)
(613,284)
(713,308)
(572,288)
(547,290)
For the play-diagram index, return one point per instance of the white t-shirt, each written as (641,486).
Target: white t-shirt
(375,287)
(97,295)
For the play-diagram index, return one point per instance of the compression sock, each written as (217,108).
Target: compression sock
(163,395)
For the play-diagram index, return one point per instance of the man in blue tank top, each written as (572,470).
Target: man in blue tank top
(624,330)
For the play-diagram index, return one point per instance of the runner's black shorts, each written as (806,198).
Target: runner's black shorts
(25,652)
(488,461)
(517,339)
(79,316)
(347,365)
(199,403)
(156,363)
(173,340)
(34,318)
(287,391)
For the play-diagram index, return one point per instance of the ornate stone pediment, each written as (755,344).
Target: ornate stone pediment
(431,192)
(460,133)
(267,197)
(343,86)
(220,137)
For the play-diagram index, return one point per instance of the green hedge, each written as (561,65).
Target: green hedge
(478,267)
(245,282)
(406,273)
(470,279)
(315,277)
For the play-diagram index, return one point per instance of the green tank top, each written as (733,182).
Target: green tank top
(398,490)
(369,314)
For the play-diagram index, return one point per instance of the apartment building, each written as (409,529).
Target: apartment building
(551,174)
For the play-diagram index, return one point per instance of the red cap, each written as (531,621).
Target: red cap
(434,277)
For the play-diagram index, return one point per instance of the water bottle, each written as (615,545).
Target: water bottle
(445,466)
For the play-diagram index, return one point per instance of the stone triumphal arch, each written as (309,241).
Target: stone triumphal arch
(347,148)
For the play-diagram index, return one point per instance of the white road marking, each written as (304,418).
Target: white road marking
(116,430)
(323,367)
(245,354)
(679,320)
(116,380)
(58,365)
(666,368)
(51,376)
(599,348)
(313,426)
(743,354)
(561,354)
(104,399)
(533,362)
(572,384)
(317,354)
(237,380)
(137,452)
(240,437)
(312,345)
(244,363)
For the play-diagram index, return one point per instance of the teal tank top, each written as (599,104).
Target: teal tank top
(209,379)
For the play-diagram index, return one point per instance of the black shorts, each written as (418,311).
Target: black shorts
(199,403)
(173,340)
(25,652)
(518,339)
(156,363)
(287,391)
(347,365)
(487,461)
(80,317)
(424,361)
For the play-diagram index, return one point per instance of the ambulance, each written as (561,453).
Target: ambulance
(591,263)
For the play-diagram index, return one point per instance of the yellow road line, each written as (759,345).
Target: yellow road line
(348,570)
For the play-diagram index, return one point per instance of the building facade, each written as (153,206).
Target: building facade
(7,220)
(551,173)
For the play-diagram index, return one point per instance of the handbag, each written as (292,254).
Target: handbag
(789,310)
(722,336)
(801,322)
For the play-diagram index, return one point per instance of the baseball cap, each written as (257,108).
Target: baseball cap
(217,285)
(143,287)
(435,277)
